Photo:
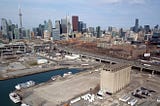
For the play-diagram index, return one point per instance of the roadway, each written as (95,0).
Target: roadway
(112,59)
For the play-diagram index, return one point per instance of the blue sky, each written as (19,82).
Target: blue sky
(118,13)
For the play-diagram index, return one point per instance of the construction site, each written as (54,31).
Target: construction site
(83,89)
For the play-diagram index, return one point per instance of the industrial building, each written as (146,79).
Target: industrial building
(12,49)
(115,77)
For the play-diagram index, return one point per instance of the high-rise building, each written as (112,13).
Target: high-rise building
(147,29)
(56,34)
(4,28)
(16,33)
(57,27)
(46,35)
(109,29)
(136,22)
(156,28)
(57,24)
(41,30)
(75,23)
(64,25)
(28,34)
(98,31)
(84,27)
(91,30)
(50,26)
(80,24)
(136,27)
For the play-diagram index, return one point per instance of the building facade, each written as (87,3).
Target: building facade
(115,77)
(75,23)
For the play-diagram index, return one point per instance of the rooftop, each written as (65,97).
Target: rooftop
(116,67)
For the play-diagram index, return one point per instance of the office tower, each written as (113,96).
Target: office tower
(45,25)
(16,33)
(56,34)
(57,24)
(136,27)
(28,34)
(156,28)
(46,35)
(121,33)
(91,30)
(98,30)
(84,27)
(64,25)
(20,24)
(147,29)
(4,28)
(80,24)
(50,27)
(75,23)
(69,25)
(136,22)
(109,29)
(41,30)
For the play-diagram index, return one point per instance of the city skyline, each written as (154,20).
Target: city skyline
(121,13)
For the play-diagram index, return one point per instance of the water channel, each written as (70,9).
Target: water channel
(7,86)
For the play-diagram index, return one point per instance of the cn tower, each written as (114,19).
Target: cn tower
(20,23)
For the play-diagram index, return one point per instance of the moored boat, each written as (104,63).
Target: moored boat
(67,74)
(23,104)
(15,97)
(25,85)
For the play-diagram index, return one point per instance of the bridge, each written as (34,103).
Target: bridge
(135,64)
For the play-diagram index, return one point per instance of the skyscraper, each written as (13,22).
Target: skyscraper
(50,27)
(80,24)
(137,22)
(84,27)
(64,25)
(98,30)
(147,29)
(75,23)
(57,24)
(4,28)
(136,27)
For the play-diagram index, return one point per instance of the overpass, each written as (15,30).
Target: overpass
(112,60)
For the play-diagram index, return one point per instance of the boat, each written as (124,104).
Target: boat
(53,78)
(23,104)
(15,97)
(67,74)
(25,85)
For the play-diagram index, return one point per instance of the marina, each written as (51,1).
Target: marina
(8,86)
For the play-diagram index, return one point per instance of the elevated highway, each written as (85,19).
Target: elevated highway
(135,64)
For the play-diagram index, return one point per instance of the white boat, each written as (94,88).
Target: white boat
(23,104)
(67,74)
(53,78)
(25,85)
(14,97)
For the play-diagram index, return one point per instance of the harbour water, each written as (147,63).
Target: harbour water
(9,85)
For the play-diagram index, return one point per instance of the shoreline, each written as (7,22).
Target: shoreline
(37,72)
